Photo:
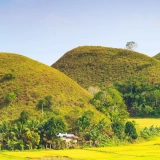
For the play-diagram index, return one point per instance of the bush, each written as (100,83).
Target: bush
(130,130)
(11,96)
(9,76)
(118,129)
(146,133)
(47,102)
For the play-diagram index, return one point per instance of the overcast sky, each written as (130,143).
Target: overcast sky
(46,29)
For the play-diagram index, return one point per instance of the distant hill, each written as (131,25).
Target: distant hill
(31,81)
(157,56)
(102,66)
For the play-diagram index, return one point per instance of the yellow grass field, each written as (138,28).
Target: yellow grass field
(142,151)
(146,122)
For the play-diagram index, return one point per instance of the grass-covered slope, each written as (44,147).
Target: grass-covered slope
(157,56)
(101,66)
(31,81)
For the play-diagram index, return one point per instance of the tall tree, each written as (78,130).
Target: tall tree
(131,45)
(47,102)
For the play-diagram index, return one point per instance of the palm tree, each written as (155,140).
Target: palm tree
(5,129)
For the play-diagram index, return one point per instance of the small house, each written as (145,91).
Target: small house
(68,137)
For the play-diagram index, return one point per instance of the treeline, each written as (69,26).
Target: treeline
(141,98)
(26,133)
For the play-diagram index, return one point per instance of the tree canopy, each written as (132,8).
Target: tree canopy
(131,45)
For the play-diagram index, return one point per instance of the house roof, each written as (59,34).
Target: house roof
(67,135)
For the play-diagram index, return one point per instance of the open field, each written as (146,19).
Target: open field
(147,122)
(141,151)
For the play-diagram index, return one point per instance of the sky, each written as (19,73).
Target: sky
(44,30)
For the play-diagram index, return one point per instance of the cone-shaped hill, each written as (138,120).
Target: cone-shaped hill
(157,56)
(31,81)
(102,66)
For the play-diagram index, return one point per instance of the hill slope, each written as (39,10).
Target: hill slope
(101,66)
(31,81)
(157,56)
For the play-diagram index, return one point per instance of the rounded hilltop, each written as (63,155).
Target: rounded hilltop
(29,81)
(102,66)
(157,56)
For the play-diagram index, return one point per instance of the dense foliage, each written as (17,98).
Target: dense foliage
(26,133)
(110,102)
(149,132)
(130,130)
(141,98)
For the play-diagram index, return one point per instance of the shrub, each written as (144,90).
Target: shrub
(118,129)
(9,76)
(11,96)
(146,133)
(130,130)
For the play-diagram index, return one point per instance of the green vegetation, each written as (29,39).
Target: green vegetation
(142,98)
(152,131)
(37,102)
(11,97)
(130,130)
(102,66)
(131,45)
(24,133)
(110,102)
(25,84)
(118,129)
(135,75)
(157,56)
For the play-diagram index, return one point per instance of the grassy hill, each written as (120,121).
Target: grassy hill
(157,56)
(31,81)
(101,66)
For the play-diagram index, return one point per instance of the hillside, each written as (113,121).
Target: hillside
(32,81)
(102,66)
(157,56)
